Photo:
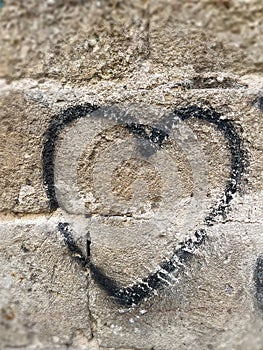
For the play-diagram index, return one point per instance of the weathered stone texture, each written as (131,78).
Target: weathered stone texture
(43,293)
(81,40)
(209,306)
(22,127)
(28,108)
(132,64)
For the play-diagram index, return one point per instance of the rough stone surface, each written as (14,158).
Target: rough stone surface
(77,41)
(28,107)
(97,184)
(198,310)
(43,293)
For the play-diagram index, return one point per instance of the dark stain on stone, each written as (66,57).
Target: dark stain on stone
(260,103)
(25,249)
(258,277)
(8,313)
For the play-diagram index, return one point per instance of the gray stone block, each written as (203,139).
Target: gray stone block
(43,293)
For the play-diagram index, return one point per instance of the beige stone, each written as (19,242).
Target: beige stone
(210,305)
(139,60)
(43,293)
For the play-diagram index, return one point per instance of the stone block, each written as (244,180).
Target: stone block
(43,293)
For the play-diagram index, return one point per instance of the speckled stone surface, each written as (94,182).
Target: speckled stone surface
(122,128)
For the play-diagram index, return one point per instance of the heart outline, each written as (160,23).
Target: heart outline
(133,295)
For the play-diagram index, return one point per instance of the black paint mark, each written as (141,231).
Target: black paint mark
(75,251)
(50,137)
(88,242)
(155,136)
(258,276)
(150,138)
(133,295)
(237,154)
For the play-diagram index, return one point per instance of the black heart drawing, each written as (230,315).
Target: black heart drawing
(133,295)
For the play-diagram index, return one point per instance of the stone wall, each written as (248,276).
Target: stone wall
(131,180)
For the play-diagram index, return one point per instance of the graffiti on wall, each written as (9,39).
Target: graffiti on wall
(150,141)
